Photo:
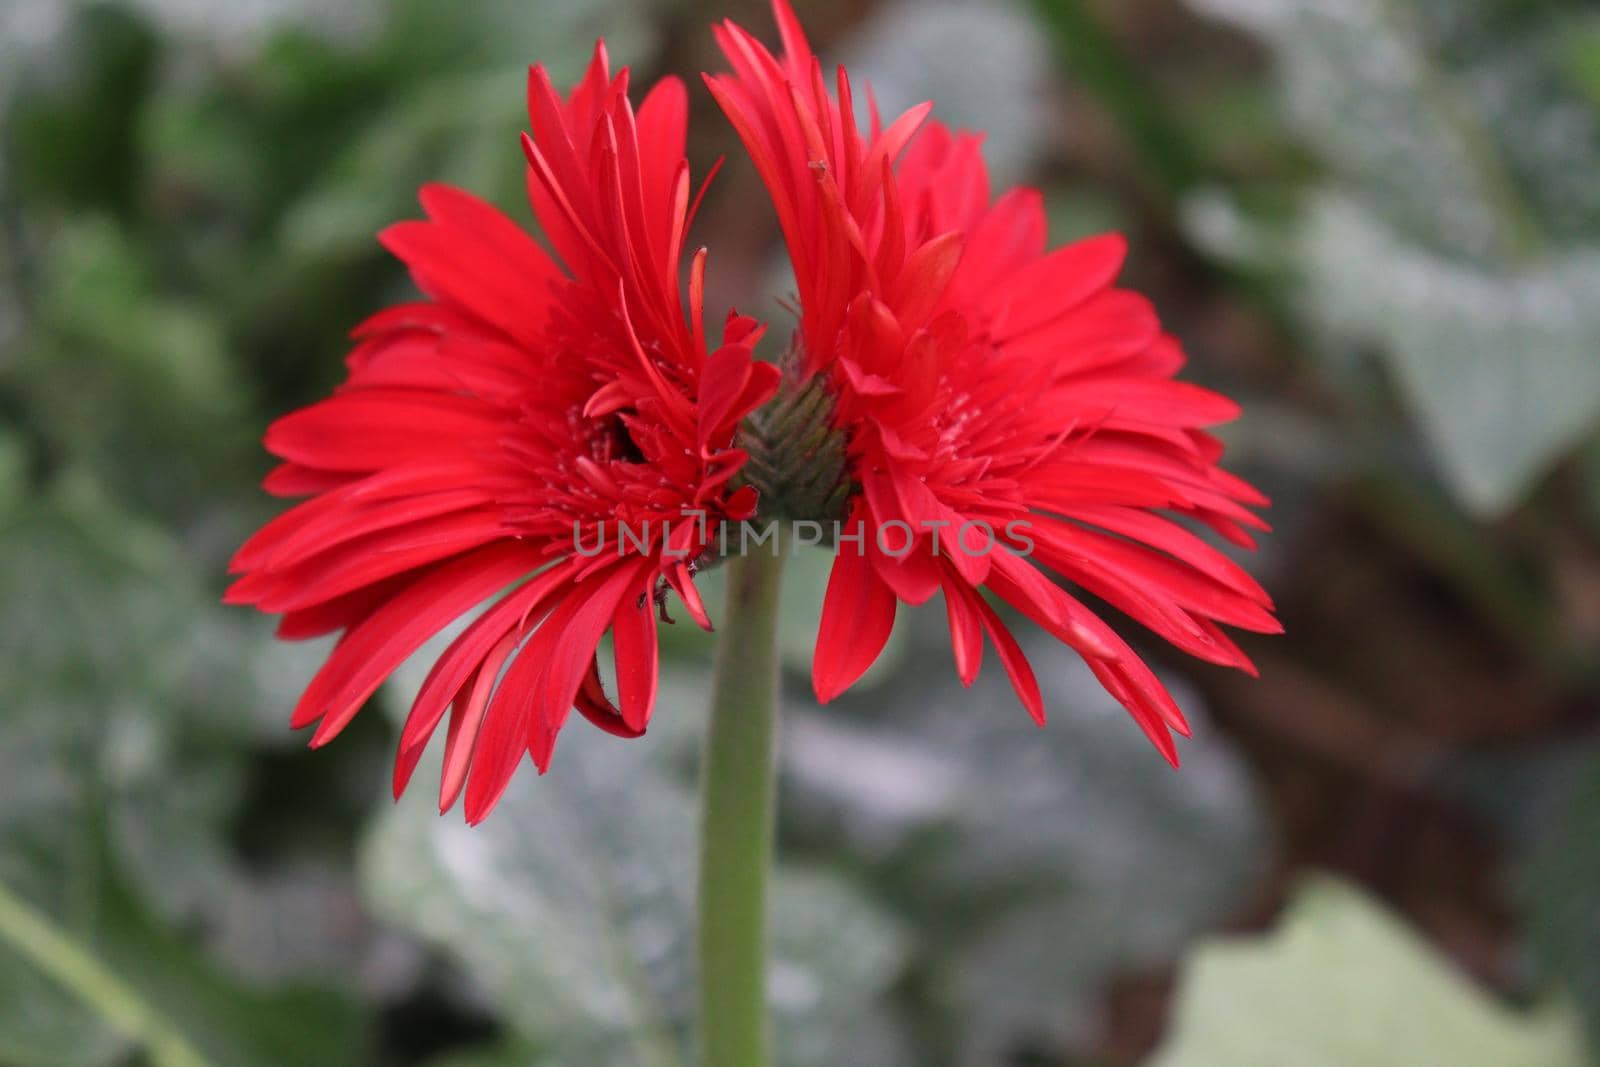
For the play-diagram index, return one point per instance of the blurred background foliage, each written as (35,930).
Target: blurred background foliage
(1377,222)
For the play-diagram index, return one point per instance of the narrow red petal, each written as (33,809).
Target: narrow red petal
(857,616)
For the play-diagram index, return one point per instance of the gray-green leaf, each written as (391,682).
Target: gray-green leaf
(1501,365)
(1042,861)
(1558,889)
(1342,982)
(1457,230)
(572,905)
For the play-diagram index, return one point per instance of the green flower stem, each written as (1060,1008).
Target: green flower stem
(736,831)
(39,941)
(1521,232)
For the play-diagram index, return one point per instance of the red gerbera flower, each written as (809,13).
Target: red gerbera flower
(484,434)
(1009,414)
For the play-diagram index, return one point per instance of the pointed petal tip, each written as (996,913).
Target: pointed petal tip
(303,716)
(475,810)
(1035,706)
(328,729)
(825,691)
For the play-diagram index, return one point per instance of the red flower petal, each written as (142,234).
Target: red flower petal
(857,617)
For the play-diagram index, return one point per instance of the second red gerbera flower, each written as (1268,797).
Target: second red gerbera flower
(1009,415)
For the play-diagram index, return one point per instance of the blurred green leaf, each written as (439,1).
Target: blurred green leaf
(1591,478)
(509,1054)
(1451,121)
(71,130)
(1502,366)
(1557,885)
(1458,231)
(462,131)
(41,1023)
(132,702)
(1342,982)
(130,381)
(113,690)
(424,37)
(572,905)
(1044,861)
(460,120)
(14,461)
(105,297)
(151,985)
(1583,58)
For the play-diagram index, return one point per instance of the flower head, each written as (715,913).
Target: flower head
(1001,415)
(484,432)
(1010,417)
